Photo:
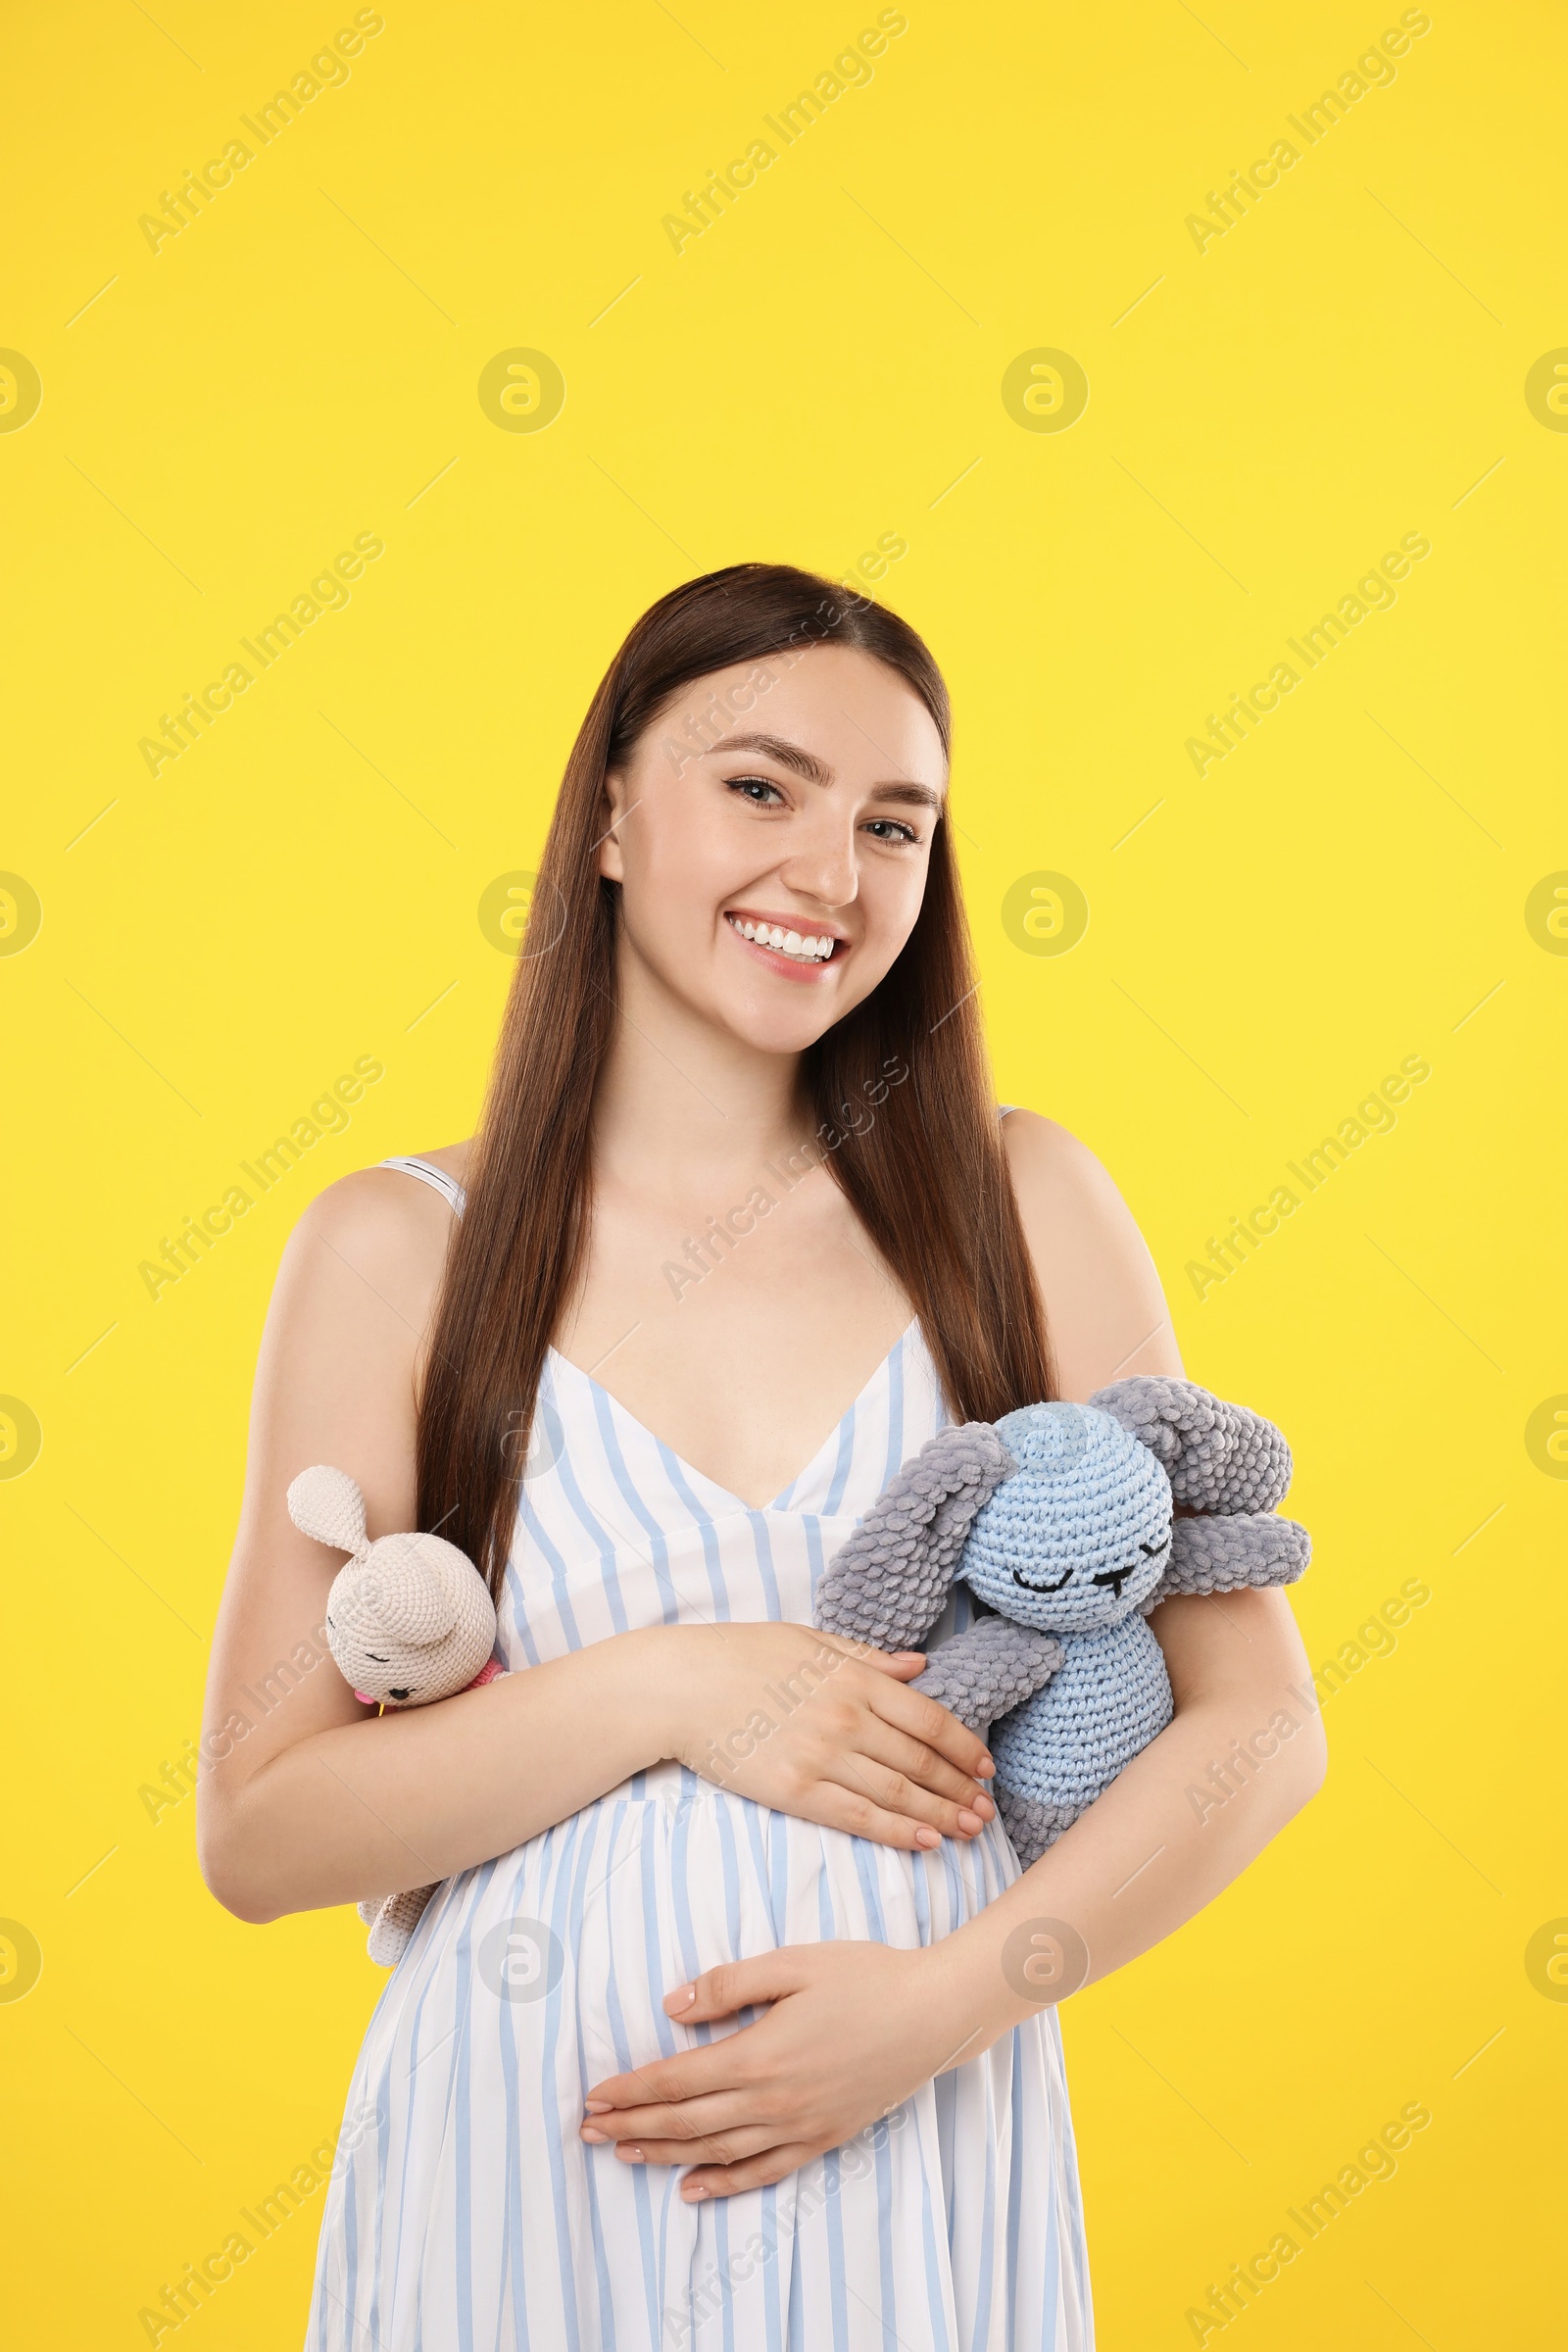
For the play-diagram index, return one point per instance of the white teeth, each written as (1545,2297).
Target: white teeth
(806,947)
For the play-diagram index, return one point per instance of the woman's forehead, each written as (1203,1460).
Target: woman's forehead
(830,712)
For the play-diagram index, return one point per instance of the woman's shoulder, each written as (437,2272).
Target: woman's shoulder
(346,1336)
(383,1228)
(1104,1306)
(1047,1159)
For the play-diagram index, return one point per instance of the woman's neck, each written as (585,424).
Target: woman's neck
(681,1100)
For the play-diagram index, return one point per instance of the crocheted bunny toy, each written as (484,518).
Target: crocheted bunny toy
(1069,1523)
(409,1620)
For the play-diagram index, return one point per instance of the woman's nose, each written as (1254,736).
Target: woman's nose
(823,869)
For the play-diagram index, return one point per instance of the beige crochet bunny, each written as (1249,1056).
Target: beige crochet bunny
(409,1620)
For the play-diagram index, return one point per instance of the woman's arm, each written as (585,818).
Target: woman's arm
(855,2027)
(306,1797)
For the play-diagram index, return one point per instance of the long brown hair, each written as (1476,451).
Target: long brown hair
(901,1086)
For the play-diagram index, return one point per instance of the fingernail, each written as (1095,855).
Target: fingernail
(588,2132)
(596,2106)
(691,2195)
(632,2155)
(984,1766)
(984,1807)
(682,1997)
(926,1837)
(969,1821)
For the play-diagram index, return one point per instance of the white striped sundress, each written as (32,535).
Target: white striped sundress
(464,2214)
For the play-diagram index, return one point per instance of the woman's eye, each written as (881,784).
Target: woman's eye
(889,829)
(755,789)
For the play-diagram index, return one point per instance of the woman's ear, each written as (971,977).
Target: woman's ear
(611,810)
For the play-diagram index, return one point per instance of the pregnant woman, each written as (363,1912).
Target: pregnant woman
(728,2023)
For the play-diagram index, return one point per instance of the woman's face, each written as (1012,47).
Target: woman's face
(771,833)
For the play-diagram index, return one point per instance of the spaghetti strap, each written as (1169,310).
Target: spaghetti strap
(437,1179)
(1003,1108)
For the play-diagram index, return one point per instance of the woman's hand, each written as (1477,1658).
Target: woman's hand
(823,1727)
(852,2030)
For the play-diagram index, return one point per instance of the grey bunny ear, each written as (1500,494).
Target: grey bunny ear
(1218,1456)
(888,1583)
(328,1505)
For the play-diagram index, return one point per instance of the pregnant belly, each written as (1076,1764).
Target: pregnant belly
(572,1939)
(469,2195)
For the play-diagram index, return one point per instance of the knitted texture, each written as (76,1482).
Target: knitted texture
(1108,1700)
(1218,1456)
(328,1505)
(1033,1827)
(1220,1555)
(1065,1526)
(391,1921)
(1077,1537)
(988,1670)
(409,1620)
(888,1583)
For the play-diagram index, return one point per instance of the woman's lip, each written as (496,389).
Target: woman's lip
(788,966)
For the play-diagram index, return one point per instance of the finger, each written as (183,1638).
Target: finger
(696,2122)
(715,2066)
(847,1804)
(929,1721)
(901,1752)
(729,2147)
(690,2075)
(695,2145)
(754,2172)
(902,1664)
(734,1984)
(926,1719)
(896,1793)
(842,1801)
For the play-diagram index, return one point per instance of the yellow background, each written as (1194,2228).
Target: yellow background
(819,367)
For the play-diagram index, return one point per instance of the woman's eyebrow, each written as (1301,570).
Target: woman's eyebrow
(815,771)
(788,754)
(912,796)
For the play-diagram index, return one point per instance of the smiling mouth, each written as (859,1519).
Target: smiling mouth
(783,938)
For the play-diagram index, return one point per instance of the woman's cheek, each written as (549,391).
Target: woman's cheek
(895,906)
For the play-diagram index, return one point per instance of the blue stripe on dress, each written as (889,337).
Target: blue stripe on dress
(702,1521)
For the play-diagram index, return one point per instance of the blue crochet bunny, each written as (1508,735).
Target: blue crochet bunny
(1069,1523)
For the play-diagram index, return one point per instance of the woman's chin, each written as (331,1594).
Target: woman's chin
(767,1030)
(766,1013)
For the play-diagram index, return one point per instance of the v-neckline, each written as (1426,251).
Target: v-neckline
(833,1440)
